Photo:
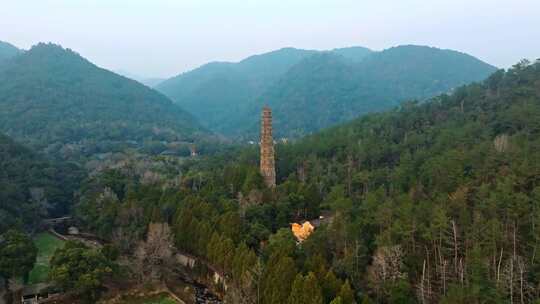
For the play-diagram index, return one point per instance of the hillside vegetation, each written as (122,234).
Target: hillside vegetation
(56,101)
(310,90)
(7,51)
(32,188)
(219,93)
(434,202)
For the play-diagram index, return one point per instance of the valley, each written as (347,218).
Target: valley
(407,175)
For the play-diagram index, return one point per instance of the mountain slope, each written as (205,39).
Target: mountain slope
(355,53)
(422,71)
(310,95)
(53,98)
(147,81)
(447,189)
(32,187)
(455,179)
(311,90)
(218,93)
(7,51)
(150,82)
(325,89)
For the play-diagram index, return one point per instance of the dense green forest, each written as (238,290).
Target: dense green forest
(433,202)
(32,187)
(54,100)
(311,90)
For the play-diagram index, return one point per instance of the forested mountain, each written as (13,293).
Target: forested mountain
(433,202)
(32,187)
(355,53)
(218,93)
(53,99)
(320,91)
(324,90)
(314,90)
(221,94)
(7,51)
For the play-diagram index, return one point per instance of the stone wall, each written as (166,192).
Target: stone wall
(212,277)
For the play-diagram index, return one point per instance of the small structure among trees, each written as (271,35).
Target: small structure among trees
(302,232)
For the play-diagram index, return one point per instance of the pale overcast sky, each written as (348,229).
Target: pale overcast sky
(165,37)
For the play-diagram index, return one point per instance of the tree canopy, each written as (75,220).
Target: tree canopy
(17,254)
(32,186)
(434,201)
(58,102)
(79,269)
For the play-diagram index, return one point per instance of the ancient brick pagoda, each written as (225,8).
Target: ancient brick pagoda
(268,170)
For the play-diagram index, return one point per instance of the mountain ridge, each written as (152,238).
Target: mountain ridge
(379,82)
(80,104)
(317,89)
(217,91)
(8,51)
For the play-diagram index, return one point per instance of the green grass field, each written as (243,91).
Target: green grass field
(46,244)
(163,300)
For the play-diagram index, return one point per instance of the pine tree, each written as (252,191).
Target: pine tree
(346,293)
(330,285)
(337,301)
(212,248)
(278,279)
(297,291)
(317,264)
(312,290)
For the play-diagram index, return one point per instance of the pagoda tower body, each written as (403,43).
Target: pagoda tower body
(268,169)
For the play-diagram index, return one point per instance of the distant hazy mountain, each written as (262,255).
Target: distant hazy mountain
(147,81)
(7,51)
(355,53)
(325,89)
(53,99)
(219,93)
(151,82)
(310,90)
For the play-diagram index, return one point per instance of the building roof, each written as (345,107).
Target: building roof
(302,232)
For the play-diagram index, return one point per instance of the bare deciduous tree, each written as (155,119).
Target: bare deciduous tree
(386,266)
(154,253)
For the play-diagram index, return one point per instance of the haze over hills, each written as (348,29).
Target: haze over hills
(220,92)
(324,90)
(147,81)
(310,90)
(354,53)
(7,51)
(55,100)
